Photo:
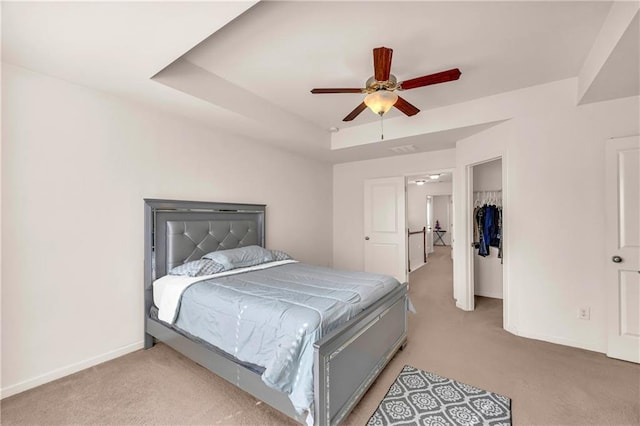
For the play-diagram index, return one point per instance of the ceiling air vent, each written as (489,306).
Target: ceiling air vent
(404,149)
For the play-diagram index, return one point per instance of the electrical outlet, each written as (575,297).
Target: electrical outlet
(584,313)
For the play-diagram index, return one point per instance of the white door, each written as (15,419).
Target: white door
(429,224)
(385,243)
(623,247)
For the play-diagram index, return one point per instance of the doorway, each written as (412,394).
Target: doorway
(441,220)
(494,183)
(486,218)
(429,215)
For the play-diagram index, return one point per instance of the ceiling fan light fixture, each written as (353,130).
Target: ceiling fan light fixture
(382,84)
(380,101)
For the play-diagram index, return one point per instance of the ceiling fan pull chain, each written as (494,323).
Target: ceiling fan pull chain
(381,127)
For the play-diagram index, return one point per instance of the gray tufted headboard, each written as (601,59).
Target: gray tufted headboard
(190,240)
(180,231)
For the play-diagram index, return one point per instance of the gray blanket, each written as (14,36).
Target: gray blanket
(272,317)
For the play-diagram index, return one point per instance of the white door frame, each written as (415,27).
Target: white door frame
(453,183)
(468,303)
(463,252)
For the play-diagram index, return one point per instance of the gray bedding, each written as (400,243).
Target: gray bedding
(272,317)
(153,313)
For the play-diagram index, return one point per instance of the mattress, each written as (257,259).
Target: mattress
(272,317)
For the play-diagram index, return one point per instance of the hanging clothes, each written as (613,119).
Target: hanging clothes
(494,227)
(487,228)
(476,235)
(500,234)
(483,247)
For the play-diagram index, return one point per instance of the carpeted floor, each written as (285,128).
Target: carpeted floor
(549,384)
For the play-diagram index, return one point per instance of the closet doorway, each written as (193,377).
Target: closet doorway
(486,273)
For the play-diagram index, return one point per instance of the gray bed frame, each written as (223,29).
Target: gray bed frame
(346,361)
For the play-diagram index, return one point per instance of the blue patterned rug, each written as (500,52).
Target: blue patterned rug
(421,398)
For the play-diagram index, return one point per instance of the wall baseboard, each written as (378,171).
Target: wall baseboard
(418,267)
(489,294)
(69,369)
(548,338)
(562,341)
(463,307)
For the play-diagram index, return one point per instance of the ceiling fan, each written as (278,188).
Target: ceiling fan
(381,86)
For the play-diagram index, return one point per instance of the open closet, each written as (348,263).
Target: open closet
(487,229)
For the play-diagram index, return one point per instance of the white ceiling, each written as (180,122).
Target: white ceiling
(620,75)
(442,177)
(281,50)
(247,68)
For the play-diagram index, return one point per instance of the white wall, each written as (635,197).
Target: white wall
(76,165)
(553,198)
(416,221)
(487,271)
(348,197)
(417,201)
(488,176)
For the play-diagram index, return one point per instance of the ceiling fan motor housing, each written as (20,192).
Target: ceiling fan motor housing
(373,85)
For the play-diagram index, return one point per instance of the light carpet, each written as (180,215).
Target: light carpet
(549,384)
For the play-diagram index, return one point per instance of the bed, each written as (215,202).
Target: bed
(345,361)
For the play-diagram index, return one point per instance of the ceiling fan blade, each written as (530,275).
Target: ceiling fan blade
(353,114)
(382,63)
(406,107)
(321,91)
(439,77)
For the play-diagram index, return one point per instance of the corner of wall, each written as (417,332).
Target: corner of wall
(68,369)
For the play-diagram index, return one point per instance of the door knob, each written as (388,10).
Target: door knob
(616,259)
(366,238)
